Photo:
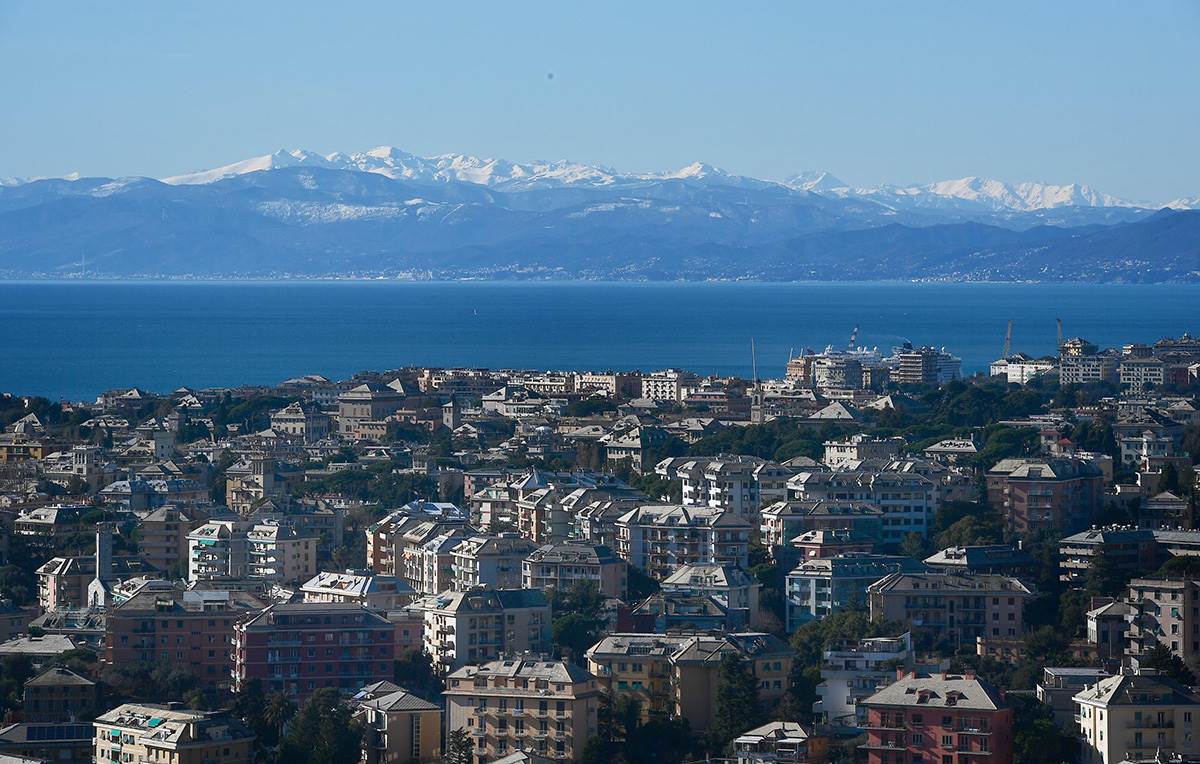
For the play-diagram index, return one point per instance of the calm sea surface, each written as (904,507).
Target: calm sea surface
(73,340)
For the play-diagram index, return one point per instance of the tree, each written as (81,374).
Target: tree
(1166,662)
(737,707)
(1105,577)
(459,748)
(575,632)
(323,732)
(414,672)
(914,546)
(14,671)
(1037,737)
(276,713)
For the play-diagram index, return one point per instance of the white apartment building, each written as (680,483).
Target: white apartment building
(859,447)
(489,560)
(851,673)
(483,624)
(667,385)
(908,501)
(661,538)
(236,549)
(741,484)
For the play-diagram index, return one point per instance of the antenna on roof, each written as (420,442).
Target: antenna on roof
(754,362)
(1060,334)
(1008,341)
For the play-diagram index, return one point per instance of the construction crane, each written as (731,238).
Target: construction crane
(1008,341)
(853,338)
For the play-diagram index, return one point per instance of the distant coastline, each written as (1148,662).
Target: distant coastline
(160,335)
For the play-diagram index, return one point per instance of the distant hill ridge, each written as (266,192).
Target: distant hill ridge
(387,212)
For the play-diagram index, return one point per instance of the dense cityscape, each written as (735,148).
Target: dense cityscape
(871,558)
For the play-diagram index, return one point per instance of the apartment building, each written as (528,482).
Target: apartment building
(58,694)
(304,421)
(63,581)
(1134,715)
(187,628)
(1020,369)
(696,669)
(298,648)
(1060,685)
(667,385)
(163,536)
(853,672)
(638,665)
(956,607)
(773,743)
(237,549)
(982,558)
(907,500)
(362,410)
(617,384)
(936,718)
(1087,369)
(784,521)
(740,484)
(728,584)
(859,447)
(1034,495)
(489,560)
(482,624)
(363,587)
(1141,374)
(398,546)
(660,538)
(546,707)
(819,587)
(1163,611)
(399,727)
(141,732)
(562,566)
(675,674)
(926,366)
(1130,549)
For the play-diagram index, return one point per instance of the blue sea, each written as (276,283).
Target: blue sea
(72,340)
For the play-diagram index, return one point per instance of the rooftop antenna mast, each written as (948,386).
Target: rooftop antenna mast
(754,362)
(1060,334)
(1008,340)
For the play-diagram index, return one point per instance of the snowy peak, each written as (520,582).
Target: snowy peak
(1184,203)
(817,181)
(281,158)
(961,196)
(1023,196)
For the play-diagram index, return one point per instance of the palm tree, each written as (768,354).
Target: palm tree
(279,711)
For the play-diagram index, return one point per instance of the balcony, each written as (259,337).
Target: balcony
(1151,724)
(882,746)
(888,725)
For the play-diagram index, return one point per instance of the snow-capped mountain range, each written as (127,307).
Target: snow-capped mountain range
(389,212)
(962,194)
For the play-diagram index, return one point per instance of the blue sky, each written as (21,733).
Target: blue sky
(1103,92)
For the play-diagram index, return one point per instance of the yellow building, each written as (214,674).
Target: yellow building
(546,707)
(400,728)
(1135,714)
(676,674)
(136,732)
